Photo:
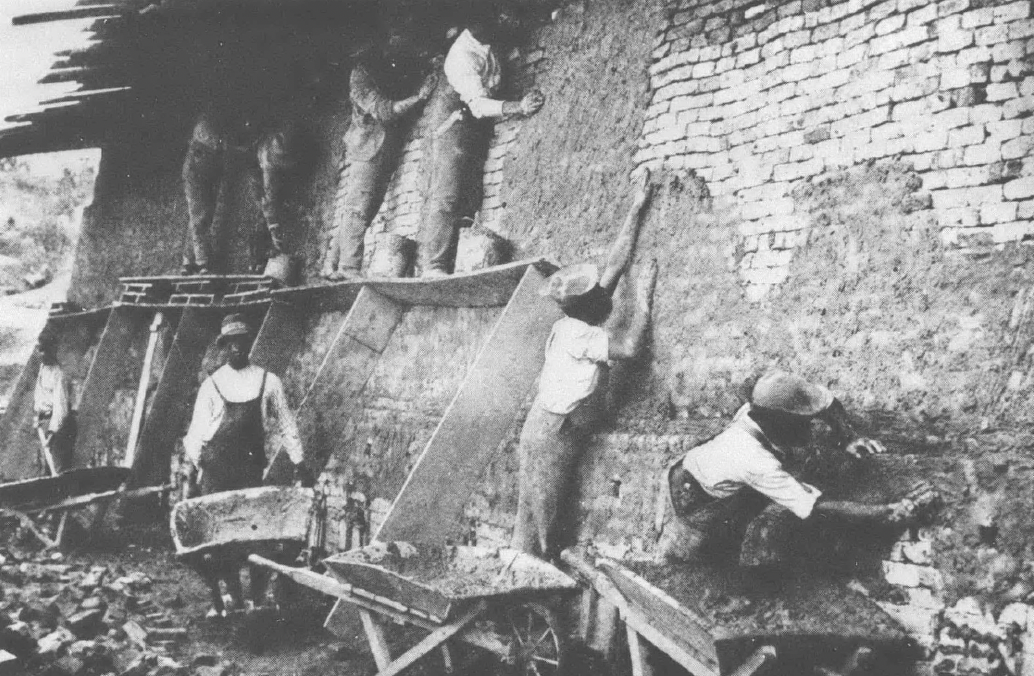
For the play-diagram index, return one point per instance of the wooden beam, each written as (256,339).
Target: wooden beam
(637,652)
(279,338)
(377,639)
(113,365)
(141,390)
(67,14)
(173,398)
(333,397)
(433,640)
(482,413)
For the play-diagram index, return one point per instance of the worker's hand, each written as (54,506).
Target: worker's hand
(642,185)
(646,284)
(427,87)
(862,448)
(532,102)
(921,499)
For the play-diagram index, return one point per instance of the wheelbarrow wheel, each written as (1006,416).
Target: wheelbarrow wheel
(537,647)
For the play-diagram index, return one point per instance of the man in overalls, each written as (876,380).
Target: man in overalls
(734,490)
(373,143)
(460,116)
(241,418)
(577,353)
(270,160)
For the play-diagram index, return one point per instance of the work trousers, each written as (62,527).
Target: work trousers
(457,162)
(202,177)
(361,190)
(61,444)
(548,453)
(746,525)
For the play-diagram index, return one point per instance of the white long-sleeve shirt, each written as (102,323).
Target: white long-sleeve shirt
(742,457)
(278,422)
(473,70)
(53,395)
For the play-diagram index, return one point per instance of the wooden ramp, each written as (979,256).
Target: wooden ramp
(484,410)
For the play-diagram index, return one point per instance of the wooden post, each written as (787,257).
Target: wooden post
(141,391)
(637,651)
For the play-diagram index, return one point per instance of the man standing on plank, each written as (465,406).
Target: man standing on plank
(241,412)
(577,353)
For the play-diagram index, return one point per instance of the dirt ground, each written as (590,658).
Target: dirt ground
(141,567)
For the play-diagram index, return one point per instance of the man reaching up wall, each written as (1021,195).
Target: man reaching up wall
(577,353)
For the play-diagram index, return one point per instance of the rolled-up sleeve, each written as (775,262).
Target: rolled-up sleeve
(368,98)
(279,422)
(771,480)
(204,421)
(464,72)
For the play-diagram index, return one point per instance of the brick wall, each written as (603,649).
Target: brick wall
(755,98)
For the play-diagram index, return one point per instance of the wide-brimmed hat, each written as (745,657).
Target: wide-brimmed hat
(234,325)
(571,282)
(782,391)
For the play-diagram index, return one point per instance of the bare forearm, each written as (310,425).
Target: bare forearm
(623,249)
(850,511)
(630,342)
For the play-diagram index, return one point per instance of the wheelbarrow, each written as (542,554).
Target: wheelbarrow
(70,491)
(495,599)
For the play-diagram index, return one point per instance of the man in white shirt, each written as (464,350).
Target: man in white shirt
(460,114)
(735,488)
(577,353)
(52,402)
(241,418)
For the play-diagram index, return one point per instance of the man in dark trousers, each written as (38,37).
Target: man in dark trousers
(373,143)
(271,158)
(734,488)
(241,418)
(577,352)
(460,114)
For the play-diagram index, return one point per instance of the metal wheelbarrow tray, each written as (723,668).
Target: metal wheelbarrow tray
(237,523)
(494,599)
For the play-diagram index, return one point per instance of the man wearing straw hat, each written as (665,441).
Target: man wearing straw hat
(240,412)
(577,353)
(734,489)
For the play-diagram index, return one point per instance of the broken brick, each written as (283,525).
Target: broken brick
(86,623)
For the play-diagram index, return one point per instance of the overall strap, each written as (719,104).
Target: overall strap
(217,390)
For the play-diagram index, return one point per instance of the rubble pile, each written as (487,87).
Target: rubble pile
(76,619)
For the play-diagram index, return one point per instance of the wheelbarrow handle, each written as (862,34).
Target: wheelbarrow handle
(306,578)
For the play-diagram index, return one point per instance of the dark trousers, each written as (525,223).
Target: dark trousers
(548,452)
(360,193)
(457,161)
(202,177)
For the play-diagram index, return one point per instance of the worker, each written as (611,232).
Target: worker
(578,350)
(270,159)
(241,418)
(52,402)
(735,491)
(380,120)
(460,122)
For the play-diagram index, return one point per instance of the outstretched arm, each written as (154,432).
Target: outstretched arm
(623,250)
(629,342)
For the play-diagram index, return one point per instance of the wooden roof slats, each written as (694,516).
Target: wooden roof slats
(67,14)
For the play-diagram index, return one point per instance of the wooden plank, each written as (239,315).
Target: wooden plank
(171,403)
(347,366)
(766,654)
(141,390)
(66,14)
(17,426)
(433,640)
(377,639)
(637,653)
(112,365)
(429,506)
(85,500)
(279,338)
(491,287)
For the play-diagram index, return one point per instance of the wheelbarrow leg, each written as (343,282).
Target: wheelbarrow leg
(447,658)
(637,651)
(433,640)
(377,640)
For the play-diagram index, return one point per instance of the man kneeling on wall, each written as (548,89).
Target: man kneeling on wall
(735,485)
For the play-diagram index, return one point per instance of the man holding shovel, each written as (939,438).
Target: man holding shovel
(240,412)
